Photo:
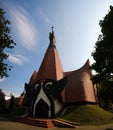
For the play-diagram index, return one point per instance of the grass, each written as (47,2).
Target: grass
(88,115)
(18,111)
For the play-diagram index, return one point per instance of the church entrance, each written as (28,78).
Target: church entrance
(42,109)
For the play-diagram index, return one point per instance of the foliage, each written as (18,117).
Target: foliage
(103,56)
(2,101)
(11,103)
(6,42)
(105,95)
(2,94)
(103,53)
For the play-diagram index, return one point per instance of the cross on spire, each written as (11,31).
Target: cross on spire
(52,37)
(52,28)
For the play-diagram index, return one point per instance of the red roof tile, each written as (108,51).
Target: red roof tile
(79,87)
(51,67)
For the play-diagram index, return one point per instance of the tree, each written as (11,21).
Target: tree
(11,103)
(6,42)
(103,56)
(2,101)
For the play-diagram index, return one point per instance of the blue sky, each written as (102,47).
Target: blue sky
(76,27)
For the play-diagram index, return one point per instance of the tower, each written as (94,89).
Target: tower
(51,67)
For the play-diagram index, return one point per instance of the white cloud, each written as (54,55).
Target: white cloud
(43,16)
(2,79)
(17,59)
(8,94)
(25,30)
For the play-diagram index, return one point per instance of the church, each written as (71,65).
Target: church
(50,89)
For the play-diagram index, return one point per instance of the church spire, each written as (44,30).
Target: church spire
(52,38)
(51,67)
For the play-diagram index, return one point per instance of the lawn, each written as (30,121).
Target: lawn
(88,115)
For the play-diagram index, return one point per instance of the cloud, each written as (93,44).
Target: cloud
(8,94)
(17,59)
(43,16)
(2,80)
(24,27)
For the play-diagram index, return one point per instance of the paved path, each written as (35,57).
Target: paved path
(6,124)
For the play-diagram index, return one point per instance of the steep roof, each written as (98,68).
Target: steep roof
(51,67)
(79,87)
(33,78)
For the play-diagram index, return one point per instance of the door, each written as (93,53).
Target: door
(42,109)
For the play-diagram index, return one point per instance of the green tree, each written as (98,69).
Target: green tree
(103,56)
(2,101)
(11,103)
(6,42)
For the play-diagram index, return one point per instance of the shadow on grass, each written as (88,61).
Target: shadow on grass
(109,129)
(4,119)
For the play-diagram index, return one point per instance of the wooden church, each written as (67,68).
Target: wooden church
(51,89)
